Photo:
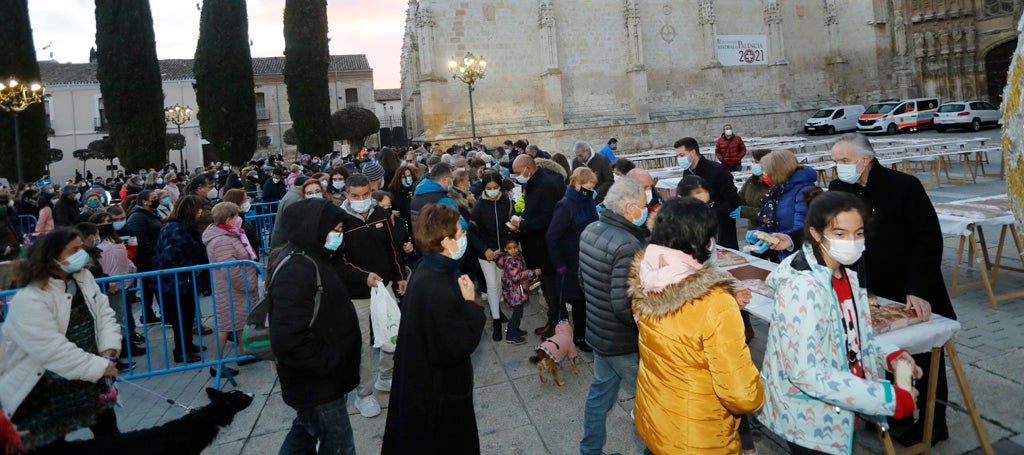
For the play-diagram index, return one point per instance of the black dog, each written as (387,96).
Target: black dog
(189,434)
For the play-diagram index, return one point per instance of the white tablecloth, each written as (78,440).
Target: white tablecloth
(917,339)
(956,225)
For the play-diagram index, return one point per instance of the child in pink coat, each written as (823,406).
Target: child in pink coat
(515,284)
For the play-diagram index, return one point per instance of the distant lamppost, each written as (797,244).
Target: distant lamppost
(14,98)
(469,69)
(178,115)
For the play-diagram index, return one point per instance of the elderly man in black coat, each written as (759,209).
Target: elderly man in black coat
(903,260)
(598,163)
(543,189)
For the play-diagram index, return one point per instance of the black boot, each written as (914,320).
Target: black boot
(503,318)
(496,335)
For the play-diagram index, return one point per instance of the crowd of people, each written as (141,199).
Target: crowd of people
(632,269)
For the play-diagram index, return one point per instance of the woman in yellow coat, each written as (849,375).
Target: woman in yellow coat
(696,377)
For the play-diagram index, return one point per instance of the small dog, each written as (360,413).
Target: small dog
(189,434)
(551,352)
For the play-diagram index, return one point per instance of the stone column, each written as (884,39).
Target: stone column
(706,18)
(832,25)
(433,98)
(637,72)
(901,50)
(776,45)
(551,78)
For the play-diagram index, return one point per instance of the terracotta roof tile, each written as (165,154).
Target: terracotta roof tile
(54,73)
(387,94)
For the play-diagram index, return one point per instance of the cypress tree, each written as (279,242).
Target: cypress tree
(19,61)
(224,85)
(129,76)
(307,60)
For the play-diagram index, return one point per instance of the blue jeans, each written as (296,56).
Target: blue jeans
(609,373)
(327,423)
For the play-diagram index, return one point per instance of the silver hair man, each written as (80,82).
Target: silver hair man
(859,142)
(622,193)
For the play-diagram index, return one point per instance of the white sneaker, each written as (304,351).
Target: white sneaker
(368,406)
(384,385)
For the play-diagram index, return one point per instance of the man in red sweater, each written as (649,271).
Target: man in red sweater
(730,149)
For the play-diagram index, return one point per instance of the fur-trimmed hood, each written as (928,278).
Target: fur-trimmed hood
(670,300)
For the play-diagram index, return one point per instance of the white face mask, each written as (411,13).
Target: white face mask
(650,195)
(212,194)
(246,206)
(845,252)
(159,181)
(848,172)
(728,132)
(493,194)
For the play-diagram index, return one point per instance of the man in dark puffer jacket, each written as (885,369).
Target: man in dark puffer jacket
(319,364)
(607,248)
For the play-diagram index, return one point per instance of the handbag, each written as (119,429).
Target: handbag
(256,333)
(385,317)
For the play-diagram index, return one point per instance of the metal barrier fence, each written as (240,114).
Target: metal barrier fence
(27,223)
(255,195)
(264,228)
(158,341)
(263,208)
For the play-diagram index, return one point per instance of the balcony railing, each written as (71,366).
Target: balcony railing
(262,114)
(49,127)
(100,123)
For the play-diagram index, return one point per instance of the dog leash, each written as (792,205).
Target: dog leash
(170,401)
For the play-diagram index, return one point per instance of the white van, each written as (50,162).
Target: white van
(828,120)
(893,116)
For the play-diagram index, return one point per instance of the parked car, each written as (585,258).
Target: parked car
(893,116)
(971,115)
(828,120)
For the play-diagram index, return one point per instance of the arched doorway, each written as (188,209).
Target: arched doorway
(997,64)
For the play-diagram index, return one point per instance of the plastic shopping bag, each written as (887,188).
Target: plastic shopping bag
(384,317)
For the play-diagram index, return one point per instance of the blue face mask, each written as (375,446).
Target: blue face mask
(521,179)
(756,169)
(643,218)
(93,204)
(461,243)
(118,225)
(360,206)
(683,161)
(166,202)
(848,173)
(407,181)
(76,262)
(333,241)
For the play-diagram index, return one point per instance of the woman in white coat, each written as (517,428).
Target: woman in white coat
(60,341)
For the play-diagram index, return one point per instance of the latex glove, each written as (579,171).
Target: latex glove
(760,247)
(920,306)
(735,213)
(563,270)
(751,239)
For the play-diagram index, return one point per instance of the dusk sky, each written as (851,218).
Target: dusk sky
(371,27)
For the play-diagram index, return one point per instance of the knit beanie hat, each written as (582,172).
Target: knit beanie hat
(373,171)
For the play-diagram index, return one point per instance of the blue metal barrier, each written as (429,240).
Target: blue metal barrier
(264,228)
(153,364)
(263,208)
(27,224)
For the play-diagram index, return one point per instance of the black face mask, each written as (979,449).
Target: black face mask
(586,193)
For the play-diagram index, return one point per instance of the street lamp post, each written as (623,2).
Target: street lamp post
(469,69)
(178,115)
(14,98)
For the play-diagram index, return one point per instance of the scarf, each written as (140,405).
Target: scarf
(769,203)
(662,267)
(238,232)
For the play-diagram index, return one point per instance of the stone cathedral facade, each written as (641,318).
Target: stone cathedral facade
(651,71)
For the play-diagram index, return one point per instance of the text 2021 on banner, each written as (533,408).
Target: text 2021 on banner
(742,50)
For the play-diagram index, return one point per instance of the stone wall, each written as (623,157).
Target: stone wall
(559,67)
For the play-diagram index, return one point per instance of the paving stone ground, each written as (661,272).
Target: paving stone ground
(517,414)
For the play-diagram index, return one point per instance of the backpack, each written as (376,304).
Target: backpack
(256,334)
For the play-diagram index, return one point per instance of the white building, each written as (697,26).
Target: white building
(75,111)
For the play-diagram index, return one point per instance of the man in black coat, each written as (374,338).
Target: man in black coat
(317,347)
(724,198)
(543,189)
(598,163)
(274,187)
(65,211)
(903,259)
(369,256)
